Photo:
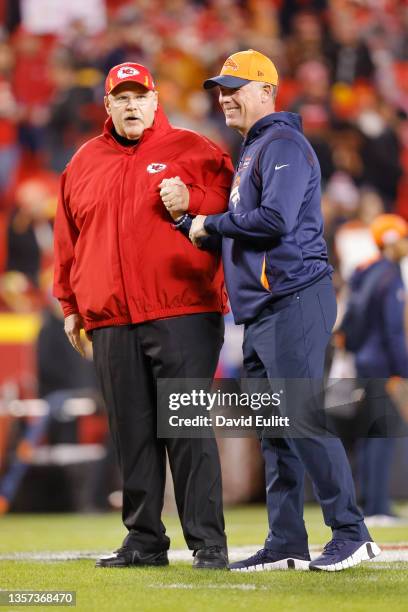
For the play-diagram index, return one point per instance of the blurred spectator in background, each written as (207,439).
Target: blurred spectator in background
(305,41)
(32,86)
(373,329)
(381,149)
(70,111)
(69,371)
(314,106)
(18,294)
(67,376)
(9,117)
(346,50)
(29,236)
(290,9)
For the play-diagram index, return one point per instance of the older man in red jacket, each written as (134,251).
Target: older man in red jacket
(152,303)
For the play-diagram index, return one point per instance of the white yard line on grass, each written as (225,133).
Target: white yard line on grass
(239,587)
(390,553)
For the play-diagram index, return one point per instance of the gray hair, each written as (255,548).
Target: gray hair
(274,89)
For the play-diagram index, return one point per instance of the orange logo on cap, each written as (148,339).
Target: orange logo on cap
(231,64)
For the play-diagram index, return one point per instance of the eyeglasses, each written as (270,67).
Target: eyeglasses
(123,100)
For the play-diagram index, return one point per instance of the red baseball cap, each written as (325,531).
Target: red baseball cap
(123,73)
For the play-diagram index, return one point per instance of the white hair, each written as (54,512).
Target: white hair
(274,89)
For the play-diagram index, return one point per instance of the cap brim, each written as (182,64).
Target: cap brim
(226,81)
(128,81)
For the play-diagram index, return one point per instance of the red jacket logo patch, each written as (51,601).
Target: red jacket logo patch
(153,168)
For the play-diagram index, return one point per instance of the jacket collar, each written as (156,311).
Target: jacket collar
(160,126)
(291,119)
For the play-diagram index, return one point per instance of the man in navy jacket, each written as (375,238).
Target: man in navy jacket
(374,330)
(279,283)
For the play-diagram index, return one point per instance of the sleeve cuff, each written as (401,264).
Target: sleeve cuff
(68,308)
(180,221)
(197,195)
(212,223)
(183,223)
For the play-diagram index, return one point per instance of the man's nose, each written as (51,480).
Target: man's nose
(133,103)
(224,97)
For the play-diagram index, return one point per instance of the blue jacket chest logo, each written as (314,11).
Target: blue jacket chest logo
(234,195)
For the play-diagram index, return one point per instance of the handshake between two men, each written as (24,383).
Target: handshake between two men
(175,197)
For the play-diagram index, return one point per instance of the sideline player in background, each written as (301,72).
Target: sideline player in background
(279,283)
(152,303)
(373,329)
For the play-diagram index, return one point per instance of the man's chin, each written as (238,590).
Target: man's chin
(134,136)
(232,123)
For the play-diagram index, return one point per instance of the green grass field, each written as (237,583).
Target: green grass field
(372,586)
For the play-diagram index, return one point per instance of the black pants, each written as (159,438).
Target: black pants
(129,359)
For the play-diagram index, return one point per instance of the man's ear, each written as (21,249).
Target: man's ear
(266,92)
(156,96)
(106,101)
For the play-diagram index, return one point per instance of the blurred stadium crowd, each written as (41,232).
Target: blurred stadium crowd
(343,66)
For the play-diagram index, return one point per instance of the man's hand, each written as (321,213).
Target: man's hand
(175,196)
(72,327)
(197,230)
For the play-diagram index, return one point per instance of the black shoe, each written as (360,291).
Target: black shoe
(210,557)
(128,557)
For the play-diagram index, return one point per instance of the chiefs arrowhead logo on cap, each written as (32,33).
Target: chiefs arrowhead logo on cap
(128,72)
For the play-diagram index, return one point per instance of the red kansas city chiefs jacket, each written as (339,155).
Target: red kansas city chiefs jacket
(118,259)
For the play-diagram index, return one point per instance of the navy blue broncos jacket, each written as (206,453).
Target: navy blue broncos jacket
(383,351)
(273,240)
